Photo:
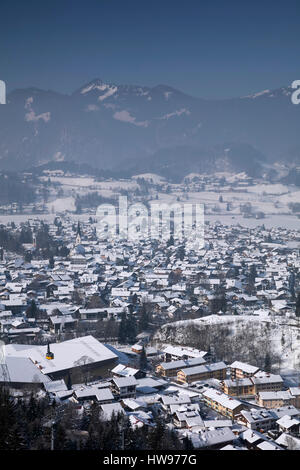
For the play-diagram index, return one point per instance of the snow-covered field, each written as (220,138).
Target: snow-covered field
(70,181)
(223,205)
(152,177)
(62,204)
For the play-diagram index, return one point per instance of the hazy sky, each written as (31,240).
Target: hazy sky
(206,48)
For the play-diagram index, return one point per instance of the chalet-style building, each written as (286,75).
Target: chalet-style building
(209,371)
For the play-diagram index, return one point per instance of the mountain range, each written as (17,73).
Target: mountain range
(157,129)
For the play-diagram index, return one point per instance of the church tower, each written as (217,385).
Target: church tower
(78,236)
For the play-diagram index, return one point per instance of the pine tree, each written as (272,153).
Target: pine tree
(156,435)
(131,328)
(143,360)
(32,310)
(170,242)
(144,319)
(298,305)
(51,261)
(10,432)
(28,257)
(268,364)
(69,381)
(122,329)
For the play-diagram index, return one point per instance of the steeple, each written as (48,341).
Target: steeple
(49,354)
(78,235)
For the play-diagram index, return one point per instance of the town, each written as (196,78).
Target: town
(159,345)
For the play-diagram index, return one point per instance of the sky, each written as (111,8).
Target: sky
(206,48)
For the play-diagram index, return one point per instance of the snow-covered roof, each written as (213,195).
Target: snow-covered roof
(182,364)
(125,382)
(22,370)
(55,386)
(221,398)
(244,367)
(110,408)
(280,395)
(288,441)
(287,422)
(180,351)
(68,354)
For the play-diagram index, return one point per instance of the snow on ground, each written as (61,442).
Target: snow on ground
(284,333)
(291,197)
(70,181)
(62,204)
(115,185)
(269,188)
(276,203)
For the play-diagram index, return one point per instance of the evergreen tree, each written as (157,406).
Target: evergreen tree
(298,305)
(268,364)
(143,360)
(170,242)
(144,319)
(28,257)
(51,262)
(10,432)
(181,253)
(69,381)
(122,329)
(131,328)
(32,310)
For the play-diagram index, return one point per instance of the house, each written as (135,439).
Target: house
(137,348)
(82,358)
(238,387)
(267,382)
(170,369)
(63,322)
(275,399)
(253,385)
(169,401)
(16,305)
(289,424)
(295,392)
(211,439)
(203,372)
(174,353)
(186,416)
(268,445)
(125,371)
(93,313)
(131,404)
(124,387)
(252,438)
(257,419)
(21,373)
(240,370)
(107,410)
(288,442)
(148,385)
(101,395)
(221,403)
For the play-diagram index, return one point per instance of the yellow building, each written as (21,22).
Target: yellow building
(241,370)
(170,369)
(253,385)
(204,372)
(276,399)
(238,387)
(221,403)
